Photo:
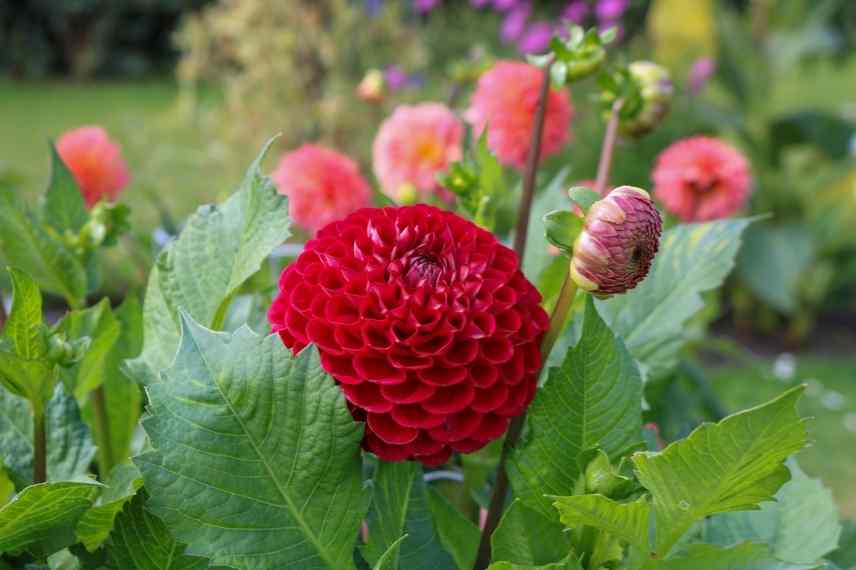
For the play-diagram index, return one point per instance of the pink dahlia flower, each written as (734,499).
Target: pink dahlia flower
(322,186)
(505,101)
(413,145)
(702,178)
(96,163)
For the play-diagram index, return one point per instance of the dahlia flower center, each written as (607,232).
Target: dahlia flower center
(423,268)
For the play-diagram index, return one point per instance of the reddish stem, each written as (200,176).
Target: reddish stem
(608,149)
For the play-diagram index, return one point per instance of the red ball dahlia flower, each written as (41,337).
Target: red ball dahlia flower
(505,101)
(426,323)
(322,185)
(702,178)
(95,162)
(618,243)
(413,146)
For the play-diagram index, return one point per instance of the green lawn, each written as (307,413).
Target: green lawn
(830,400)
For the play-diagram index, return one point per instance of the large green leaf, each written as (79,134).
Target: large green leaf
(594,399)
(97,522)
(525,536)
(27,245)
(569,563)
(100,325)
(41,519)
(219,248)
(845,556)
(627,521)
(730,466)
(745,556)
(141,541)
(64,207)
(773,261)
(122,396)
(458,535)
(693,258)
(69,447)
(537,256)
(802,502)
(400,506)
(257,459)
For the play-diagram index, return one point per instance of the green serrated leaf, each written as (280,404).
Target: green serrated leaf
(141,541)
(122,396)
(25,328)
(29,246)
(730,466)
(63,208)
(42,517)
(568,563)
(562,228)
(97,522)
(627,521)
(583,197)
(693,258)
(400,506)
(219,248)
(745,556)
(593,399)
(264,444)
(458,535)
(525,536)
(537,256)
(101,327)
(388,559)
(801,502)
(69,448)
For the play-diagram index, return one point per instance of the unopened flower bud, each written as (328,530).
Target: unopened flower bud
(370,88)
(656,90)
(618,243)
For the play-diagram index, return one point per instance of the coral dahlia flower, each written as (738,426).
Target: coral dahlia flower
(702,178)
(505,101)
(96,163)
(322,185)
(413,146)
(425,321)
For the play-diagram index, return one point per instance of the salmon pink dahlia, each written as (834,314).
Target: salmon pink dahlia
(412,146)
(426,323)
(505,101)
(702,178)
(95,162)
(322,185)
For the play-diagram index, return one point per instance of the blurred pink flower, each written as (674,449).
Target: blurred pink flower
(425,6)
(611,10)
(700,72)
(322,186)
(536,38)
(514,23)
(413,145)
(702,178)
(96,163)
(503,5)
(576,11)
(505,101)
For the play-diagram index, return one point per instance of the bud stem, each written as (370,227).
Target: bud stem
(608,150)
(40,447)
(560,312)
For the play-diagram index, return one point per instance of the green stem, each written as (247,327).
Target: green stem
(102,428)
(585,551)
(559,315)
(40,447)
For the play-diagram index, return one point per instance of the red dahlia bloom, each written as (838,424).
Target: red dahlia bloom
(426,323)
(96,163)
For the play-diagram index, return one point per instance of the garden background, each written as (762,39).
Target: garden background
(192,89)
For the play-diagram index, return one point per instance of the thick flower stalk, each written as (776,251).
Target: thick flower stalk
(96,163)
(702,178)
(505,103)
(413,146)
(618,243)
(322,185)
(424,320)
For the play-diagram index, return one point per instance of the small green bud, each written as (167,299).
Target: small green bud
(656,89)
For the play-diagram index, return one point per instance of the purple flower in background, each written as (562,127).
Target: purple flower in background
(537,38)
(515,23)
(503,5)
(396,78)
(610,10)
(700,72)
(372,7)
(479,3)
(576,11)
(425,6)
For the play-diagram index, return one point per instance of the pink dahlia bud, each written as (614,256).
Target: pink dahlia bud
(620,238)
(95,162)
(702,178)
(413,146)
(322,185)
(426,323)
(505,101)
(656,88)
